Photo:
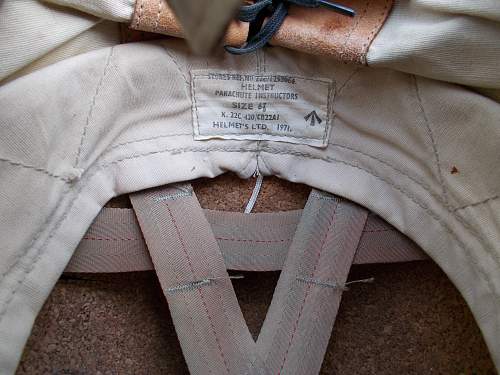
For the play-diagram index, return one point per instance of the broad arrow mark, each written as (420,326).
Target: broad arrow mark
(313,117)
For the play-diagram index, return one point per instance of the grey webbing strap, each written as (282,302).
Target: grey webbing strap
(248,242)
(297,328)
(204,308)
(211,329)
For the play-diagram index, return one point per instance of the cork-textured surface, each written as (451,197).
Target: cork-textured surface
(411,320)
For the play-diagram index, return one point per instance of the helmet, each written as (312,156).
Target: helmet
(371,136)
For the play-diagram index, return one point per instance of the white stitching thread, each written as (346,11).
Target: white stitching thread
(189,286)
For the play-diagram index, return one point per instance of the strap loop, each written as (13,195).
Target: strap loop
(277,10)
(209,323)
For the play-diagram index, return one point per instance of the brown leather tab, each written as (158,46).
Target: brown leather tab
(317,31)
(156,16)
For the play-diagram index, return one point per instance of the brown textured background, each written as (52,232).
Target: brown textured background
(410,321)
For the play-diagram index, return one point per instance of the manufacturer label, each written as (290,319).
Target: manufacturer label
(267,106)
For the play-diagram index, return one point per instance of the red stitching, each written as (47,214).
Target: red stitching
(190,315)
(199,290)
(331,225)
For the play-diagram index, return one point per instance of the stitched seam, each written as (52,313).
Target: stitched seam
(274,136)
(176,151)
(415,200)
(139,15)
(328,81)
(32,242)
(99,167)
(352,30)
(433,141)
(427,188)
(327,197)
(329,159)
(200,291)
(184,298)
(145,139)
(181,192)
(155,28)
(438,220)
(225,312)
(110,239)
(37,256)
(174,60)
(87,238)
(331,226)
(265,135)
(247,240)
(423,185)
(356,24)
(195,104)
(329,105)
(217,291)
(477,203)
(375,30)
(348,80)
(37,169)
(64,217)
(92,106)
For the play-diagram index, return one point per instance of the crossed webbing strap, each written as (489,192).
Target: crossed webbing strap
(296,330)
(213,334)
(248,242)
(210,326)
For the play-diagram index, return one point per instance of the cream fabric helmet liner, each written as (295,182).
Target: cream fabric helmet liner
(447,40)
(118,120)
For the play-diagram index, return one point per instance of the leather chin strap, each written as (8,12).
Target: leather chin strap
(211,329)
